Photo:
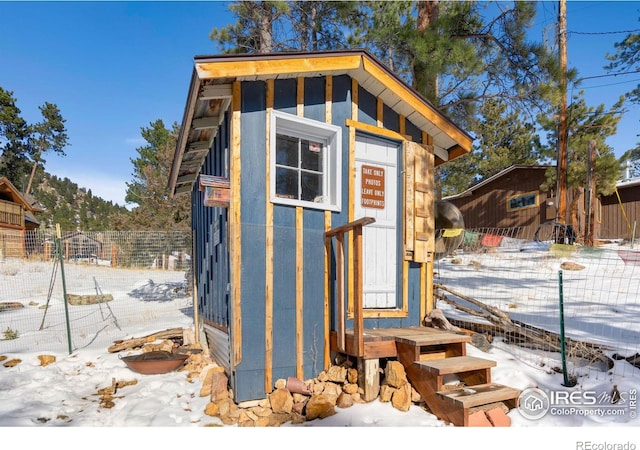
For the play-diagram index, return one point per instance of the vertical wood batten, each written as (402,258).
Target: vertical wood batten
(235,226)
(426,269)
(300,258)
(405,264)
(268,357)
(328,117)
(352,173)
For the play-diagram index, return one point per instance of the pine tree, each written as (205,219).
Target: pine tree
(586,123)
(627,59)
(14,151)
(156,209)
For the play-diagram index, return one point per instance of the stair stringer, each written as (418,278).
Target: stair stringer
(428,385)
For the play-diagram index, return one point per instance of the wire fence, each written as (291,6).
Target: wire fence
(560,306)
(114,281)
(524,294)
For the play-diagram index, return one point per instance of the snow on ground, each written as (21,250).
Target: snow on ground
(63,395)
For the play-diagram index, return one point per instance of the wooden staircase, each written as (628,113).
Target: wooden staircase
(431,360)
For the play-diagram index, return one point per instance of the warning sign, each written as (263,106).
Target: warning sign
(372,189)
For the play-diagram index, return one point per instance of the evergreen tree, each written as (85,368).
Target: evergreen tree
(462,56)
(282,26)
(627,59)
(14,151)
(254,30)
(47,135)
(585,124)
(23,145)
(156,209)
(503,140)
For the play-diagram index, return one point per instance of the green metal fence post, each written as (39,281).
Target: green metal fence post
(567,382)
(64,284)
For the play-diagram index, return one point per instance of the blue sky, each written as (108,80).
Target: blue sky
(115,67)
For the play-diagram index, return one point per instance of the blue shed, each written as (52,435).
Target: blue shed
(311,180)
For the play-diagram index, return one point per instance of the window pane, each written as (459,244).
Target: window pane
(286,183)
(311,187)
(286,151)
(312,155)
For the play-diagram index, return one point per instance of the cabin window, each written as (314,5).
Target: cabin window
(522,201)
(305,162)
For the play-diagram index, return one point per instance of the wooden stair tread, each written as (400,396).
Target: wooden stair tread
(482,394)
(455,364)
(435,338)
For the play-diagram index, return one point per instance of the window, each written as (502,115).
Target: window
(522,201)
(305,162)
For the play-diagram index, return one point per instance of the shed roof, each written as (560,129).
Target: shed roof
(493,178)
(209,97)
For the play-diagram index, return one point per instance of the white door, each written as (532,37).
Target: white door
(376,190)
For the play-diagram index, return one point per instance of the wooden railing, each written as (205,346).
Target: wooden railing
(339,233)
(11,214)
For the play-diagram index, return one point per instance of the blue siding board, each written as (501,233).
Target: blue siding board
(252,201)
(284,289)
(341,111)
(313,295)
(390,119)
(248,385)
(314,98)
(413,131)
(367,107)
(285,95)
(414,318)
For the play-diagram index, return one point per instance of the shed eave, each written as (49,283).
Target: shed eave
(359,64)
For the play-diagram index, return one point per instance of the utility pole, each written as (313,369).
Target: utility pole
(590,236)
(562,123)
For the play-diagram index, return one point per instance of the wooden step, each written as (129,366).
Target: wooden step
(432,338)
(455,364)
(482,394)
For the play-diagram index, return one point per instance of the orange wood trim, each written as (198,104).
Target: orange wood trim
(235,242)
(328,117)
(351,172)
(268,289)
(300,97)
(300,257)
(340,303)
(456,151)
(299,292)
(244,68)
(380,112)
(328,102)
(358,320)
(426,270)
(377,130)
(393,84)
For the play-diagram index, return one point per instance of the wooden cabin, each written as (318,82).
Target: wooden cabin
(17,216)
(619,214)
(509,202)
(512,203)
(311,182)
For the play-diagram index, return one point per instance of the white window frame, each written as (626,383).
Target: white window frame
(330,136)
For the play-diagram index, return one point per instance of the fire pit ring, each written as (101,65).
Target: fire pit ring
(152,363)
